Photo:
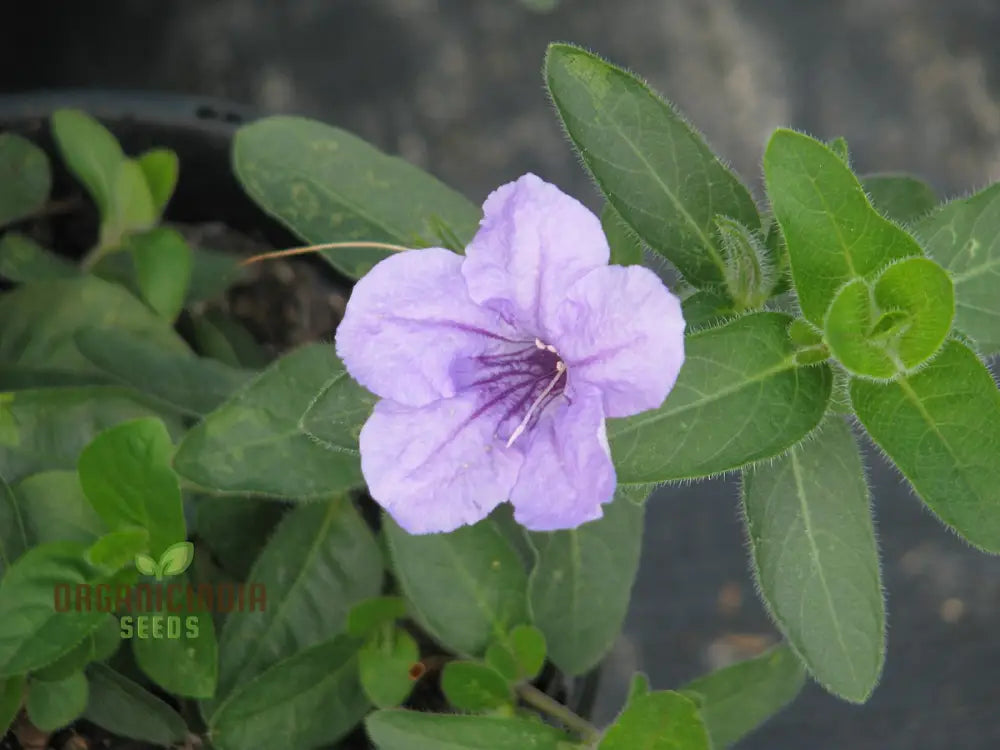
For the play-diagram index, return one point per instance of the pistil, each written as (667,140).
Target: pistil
(560,369)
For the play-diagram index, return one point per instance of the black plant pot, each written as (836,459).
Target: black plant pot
(200,130)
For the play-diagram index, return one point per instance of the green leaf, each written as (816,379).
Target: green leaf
(894,325)
(964,237)
(467,588)
(98,645)
(626,247)
(901,197)
(775,243)
(384,666)
(106,639)
(705,310)
(177,558)
(126,709)
(32,633)
(839,146)
(116,268)
(474,687)
(309,700)
(303,411)
(18,378)
(125,473)
(51,426)
(212,273)
(90,152)
(53,508)
(574,570)
(321,561)
(224,338)
(41,319)
(397,729)
(740,398)
(515,534)
(160,167)
(527,647)
(803,334)
(655,170)
(25,178)
(187,665)
(501,659)
(22,260)
(52,705)
(236,529)
(832,232)
(114,551)
(11,695)
(13,537)
(809,521)
(941,427)
(369,615)
(638,687)
(163,262)
(736,700)
(663,720)
(131,209)
(179,381)
(327,185)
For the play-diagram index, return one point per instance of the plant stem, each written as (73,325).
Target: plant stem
(91,258)
(548,705)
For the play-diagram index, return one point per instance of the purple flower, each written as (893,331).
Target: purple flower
(497,370)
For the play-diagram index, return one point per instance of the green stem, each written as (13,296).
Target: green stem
(95,254)
(548,705)
(91,258)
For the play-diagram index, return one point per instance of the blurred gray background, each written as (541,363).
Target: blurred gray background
(455,86)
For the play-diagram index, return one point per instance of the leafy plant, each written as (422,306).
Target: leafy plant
(846,308)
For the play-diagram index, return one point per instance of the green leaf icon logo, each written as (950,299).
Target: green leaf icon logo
(146,565)
(176,559)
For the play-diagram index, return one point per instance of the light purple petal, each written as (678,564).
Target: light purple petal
(407,321)
(533,243)
(437,467)
(622,331)
(567,472)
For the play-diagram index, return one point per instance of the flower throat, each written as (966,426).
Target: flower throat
(525,381)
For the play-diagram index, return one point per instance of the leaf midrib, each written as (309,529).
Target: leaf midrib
(304,689)
(491,614)
(971,273)
(332,508)
(657,415)
(698,231)
(817,565)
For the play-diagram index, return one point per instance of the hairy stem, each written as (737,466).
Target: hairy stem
(317,248)
(550,706)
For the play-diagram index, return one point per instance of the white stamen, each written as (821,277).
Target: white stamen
(560,369)
(545,347)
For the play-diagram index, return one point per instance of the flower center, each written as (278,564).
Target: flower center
(523,425)
(518,385)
